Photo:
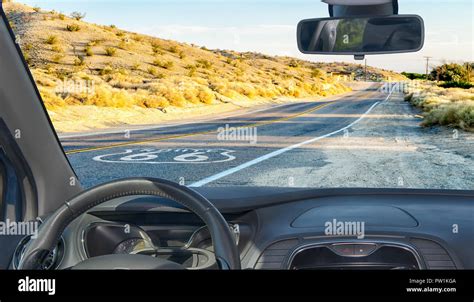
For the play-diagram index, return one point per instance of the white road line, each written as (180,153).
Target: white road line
(65,136)
(281,151)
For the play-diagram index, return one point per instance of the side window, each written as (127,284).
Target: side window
(2,188)
(10,197)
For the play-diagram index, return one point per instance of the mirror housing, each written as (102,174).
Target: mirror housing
(361,35)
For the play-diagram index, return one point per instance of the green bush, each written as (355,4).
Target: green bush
(457,84)
(414,76)
(451,72)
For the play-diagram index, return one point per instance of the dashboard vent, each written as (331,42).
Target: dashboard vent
(274,255)
(435,256)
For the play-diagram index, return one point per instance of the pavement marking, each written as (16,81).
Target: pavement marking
(168,156)
(281,151)
(177,136)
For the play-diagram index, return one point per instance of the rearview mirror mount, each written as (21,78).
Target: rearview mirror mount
(360,36)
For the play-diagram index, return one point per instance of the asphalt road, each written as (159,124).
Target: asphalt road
(232,150)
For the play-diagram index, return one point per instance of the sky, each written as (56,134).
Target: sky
(269,27)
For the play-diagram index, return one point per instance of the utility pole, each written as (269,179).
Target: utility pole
(427,65)
(366,76)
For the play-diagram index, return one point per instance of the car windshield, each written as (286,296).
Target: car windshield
(217,93)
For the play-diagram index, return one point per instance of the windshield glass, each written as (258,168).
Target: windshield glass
(216,93)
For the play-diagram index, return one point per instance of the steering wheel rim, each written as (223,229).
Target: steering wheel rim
(50,232)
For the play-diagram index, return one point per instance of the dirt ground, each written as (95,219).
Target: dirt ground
(390,149)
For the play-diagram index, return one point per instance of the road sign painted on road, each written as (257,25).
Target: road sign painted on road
(167,156)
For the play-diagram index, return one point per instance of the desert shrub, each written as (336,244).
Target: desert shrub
(27,46)
(446,107)
(52,39)
(95,42)
(51,100)
(173,49)
(191,93)
(155,102)
(154,72)
(182,55)
(57,48)
(456,115)
(78,15)
(79,61)
(57,58)
(202,63)
(103,97)
(156,48)
(206,96)
(88,51)
(123,45)
(106,70)
(37,9)
(175,98)
(73,27)
(163,64)
(192,71)
(135,66)
(293,64)
(110,51)
(317,73)
(61,16)
(137,38)
(120,34)
(27,57)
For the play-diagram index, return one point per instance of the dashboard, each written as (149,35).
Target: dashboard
(287,228)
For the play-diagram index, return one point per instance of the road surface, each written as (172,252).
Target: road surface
(330,143)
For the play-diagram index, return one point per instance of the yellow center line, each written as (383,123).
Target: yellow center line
(259,124)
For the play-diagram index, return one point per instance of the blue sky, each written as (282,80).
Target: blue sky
(269,26)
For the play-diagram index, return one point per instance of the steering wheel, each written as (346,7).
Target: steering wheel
(225,249)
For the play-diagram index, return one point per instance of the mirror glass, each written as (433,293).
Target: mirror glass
(361,35)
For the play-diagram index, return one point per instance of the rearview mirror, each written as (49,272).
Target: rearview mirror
(361,35)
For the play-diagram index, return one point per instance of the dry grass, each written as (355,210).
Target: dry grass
(110,51)
(452,107)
